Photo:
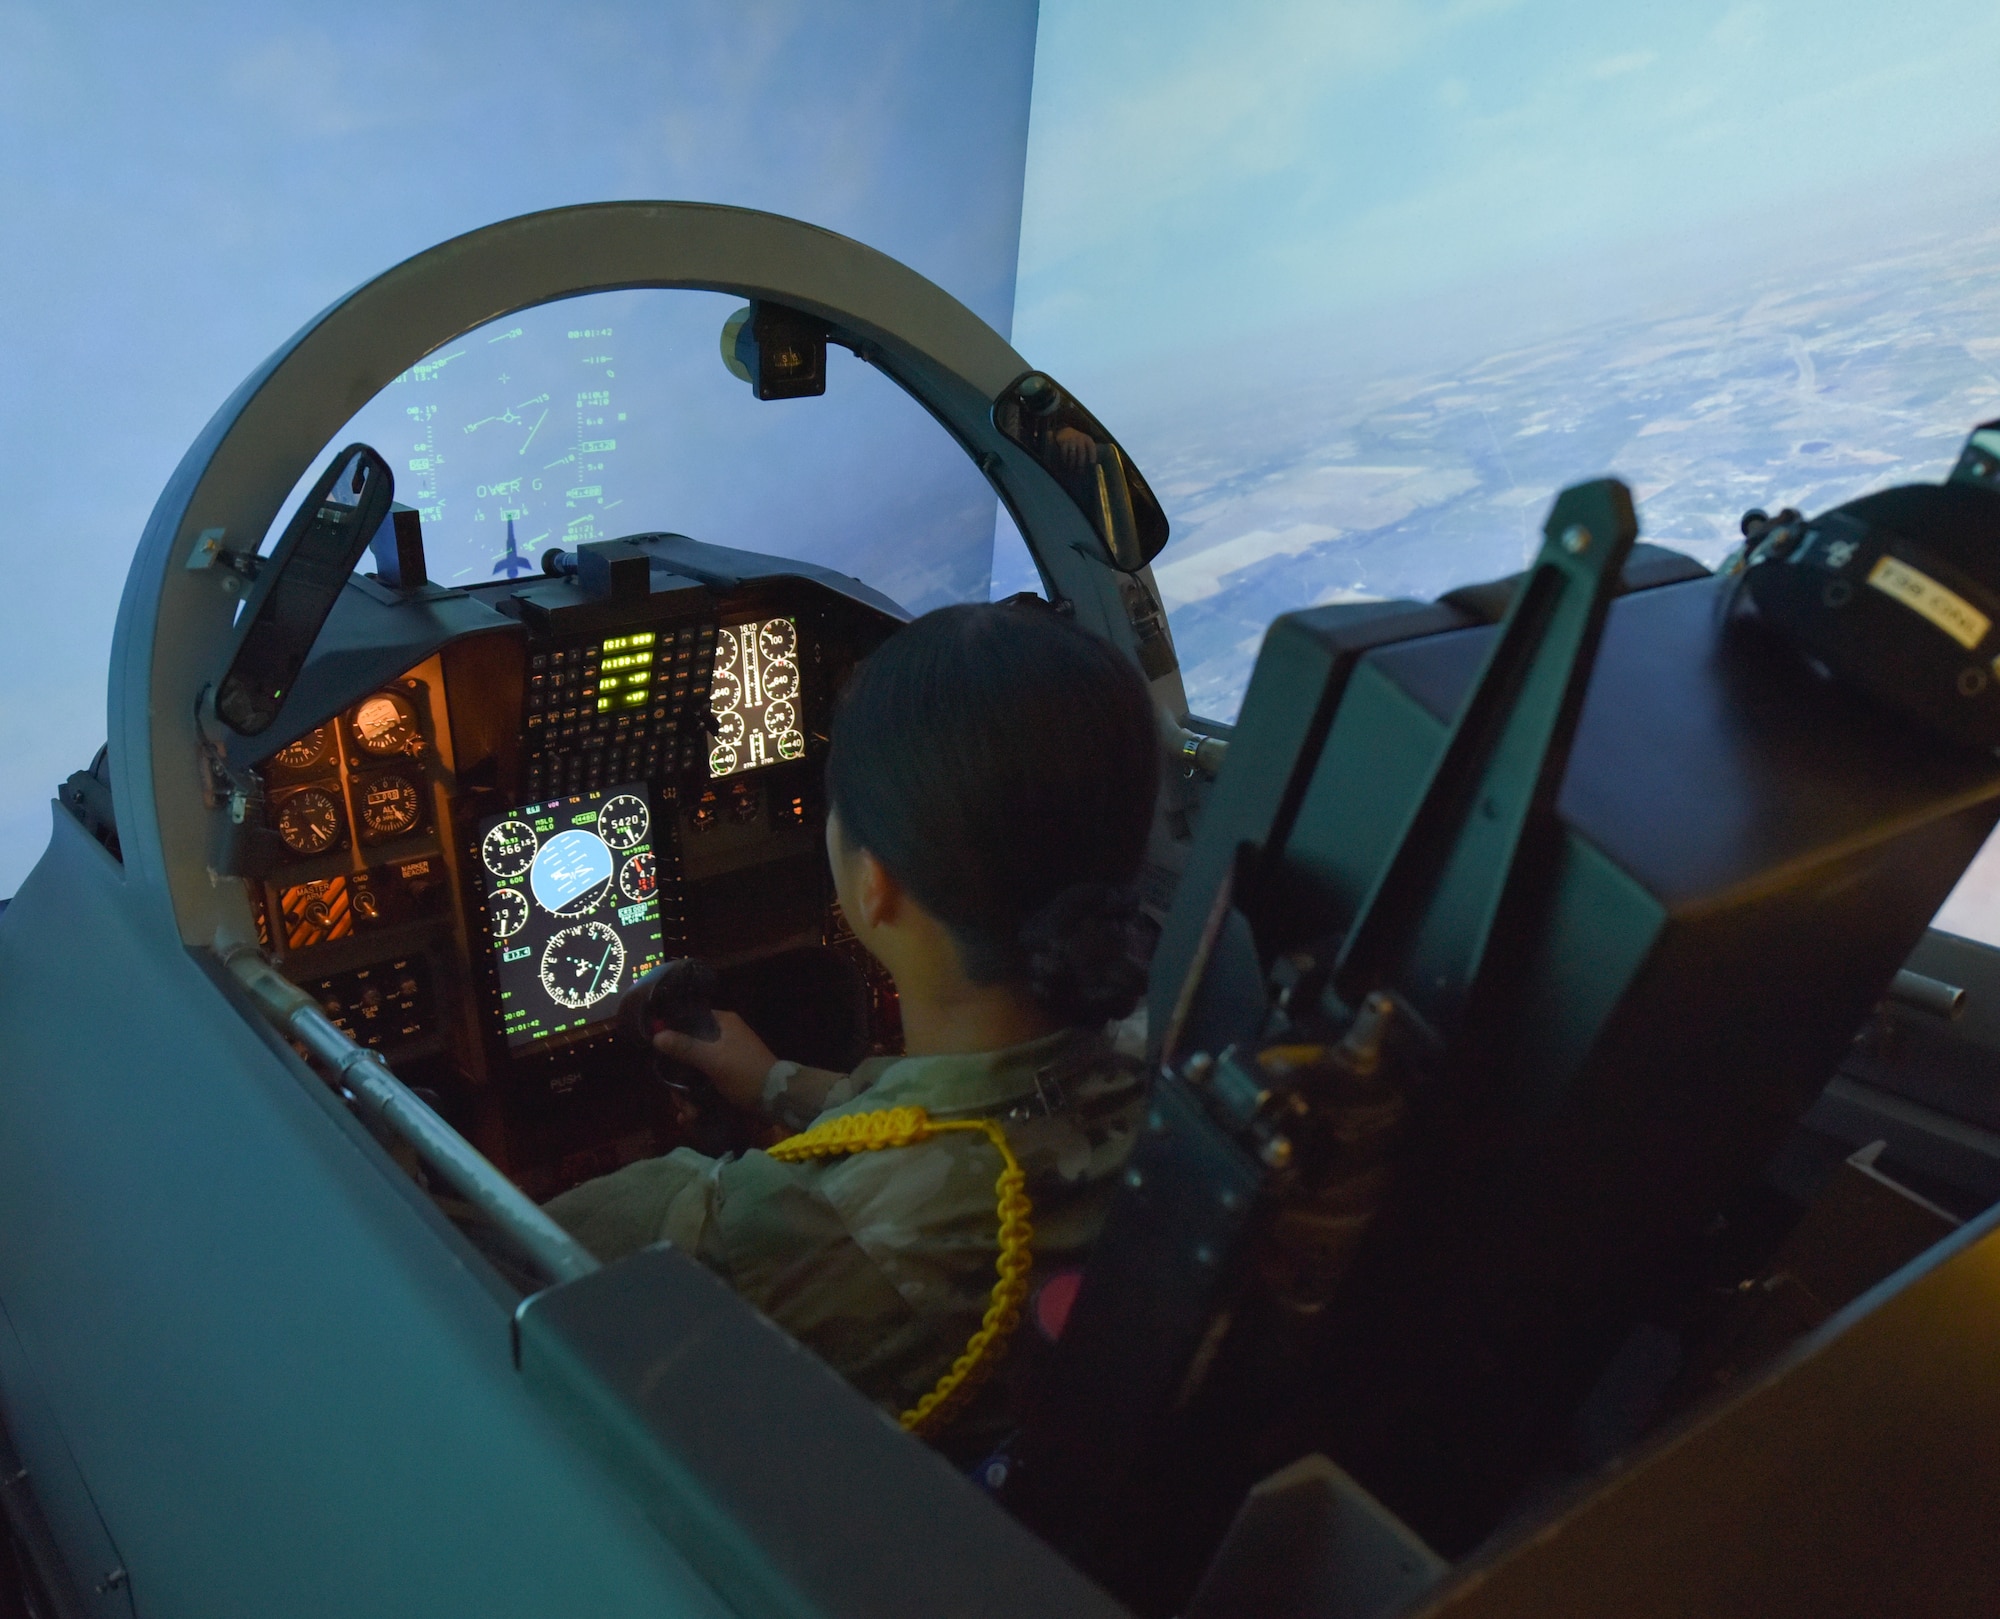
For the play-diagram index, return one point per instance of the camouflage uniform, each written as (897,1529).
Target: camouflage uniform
(882,1262)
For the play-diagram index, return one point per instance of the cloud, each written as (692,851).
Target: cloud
(1741,28)
(1236,97)
(1616,67)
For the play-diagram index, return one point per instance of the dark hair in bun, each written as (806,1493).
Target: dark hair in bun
(1002,764)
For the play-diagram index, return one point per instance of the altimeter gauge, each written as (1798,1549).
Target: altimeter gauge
(508,910)
(581,965)
(309,821)
(390,806)
(509,849)
(623,822)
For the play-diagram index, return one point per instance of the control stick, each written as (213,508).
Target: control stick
(680,995)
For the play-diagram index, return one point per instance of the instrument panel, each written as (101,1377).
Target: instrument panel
(755,697)
(470,863)
(625,705)
(572,910)
(352,808)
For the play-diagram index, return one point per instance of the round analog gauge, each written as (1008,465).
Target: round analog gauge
(509,849)
(304,753)
(309,821)
(781,717)
(390,806)
(721,759)
(778,639)
(386,724)
(781,678)
(582,965)
(791,745)
(729,729)
(508,910)
(623,822)
(725,691)
(638,877)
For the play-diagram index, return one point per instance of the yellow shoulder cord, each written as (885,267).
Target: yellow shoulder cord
(906,1127)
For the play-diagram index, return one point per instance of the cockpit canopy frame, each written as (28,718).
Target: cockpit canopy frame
(174,620)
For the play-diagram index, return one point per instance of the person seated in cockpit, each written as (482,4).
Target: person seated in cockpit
(990,785)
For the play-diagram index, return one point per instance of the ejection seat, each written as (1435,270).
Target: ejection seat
(1503,955)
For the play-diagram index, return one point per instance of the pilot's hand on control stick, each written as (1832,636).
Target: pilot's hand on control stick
(735,1062)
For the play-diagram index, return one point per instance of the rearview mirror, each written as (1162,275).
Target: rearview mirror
(1072,446)
(780,352)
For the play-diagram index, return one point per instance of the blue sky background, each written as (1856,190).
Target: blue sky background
(1202,174)
(181,187)
(1283,207)
(1271,245)
(1362,285)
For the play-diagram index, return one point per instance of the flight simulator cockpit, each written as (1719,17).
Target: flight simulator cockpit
(1497,954)
(607,766)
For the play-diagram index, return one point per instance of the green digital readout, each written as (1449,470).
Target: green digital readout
(623,643)
(629,690)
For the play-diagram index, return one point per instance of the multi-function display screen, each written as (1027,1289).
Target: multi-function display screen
(572,908)
(756,698)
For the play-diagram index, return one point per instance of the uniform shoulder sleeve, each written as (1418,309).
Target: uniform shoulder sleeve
(795,1095)
(775,1236)
(620,1213)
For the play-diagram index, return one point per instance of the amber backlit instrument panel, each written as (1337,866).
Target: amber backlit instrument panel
(523,821)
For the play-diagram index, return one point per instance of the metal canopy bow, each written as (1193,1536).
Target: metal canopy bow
(174,622)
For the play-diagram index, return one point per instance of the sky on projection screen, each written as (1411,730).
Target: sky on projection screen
(1360,287)
(183,187)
